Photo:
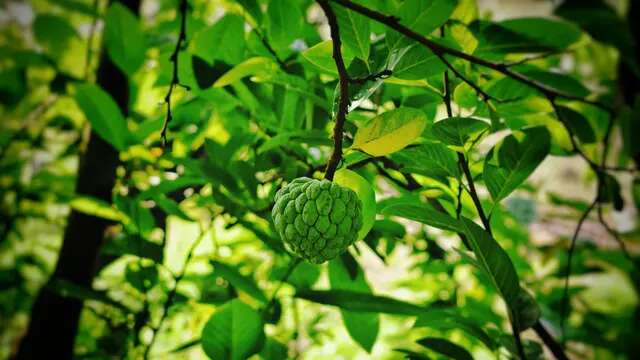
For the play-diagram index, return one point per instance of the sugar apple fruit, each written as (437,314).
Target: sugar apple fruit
(317,219)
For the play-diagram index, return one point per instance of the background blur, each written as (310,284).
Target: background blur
(47,46)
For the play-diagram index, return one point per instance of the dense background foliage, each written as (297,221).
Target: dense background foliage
(142,143)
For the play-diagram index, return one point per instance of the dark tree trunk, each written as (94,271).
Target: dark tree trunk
(54,319)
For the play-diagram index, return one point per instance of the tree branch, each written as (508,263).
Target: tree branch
(549,341)
(343,101)
(182,37)
(439,50)
(565,295)
(462,161)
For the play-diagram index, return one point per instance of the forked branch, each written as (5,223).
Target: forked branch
(343,100)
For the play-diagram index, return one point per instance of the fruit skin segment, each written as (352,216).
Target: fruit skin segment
(316,219)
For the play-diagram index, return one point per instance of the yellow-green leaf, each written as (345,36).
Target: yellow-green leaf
(252,66)
(97,208)
(350,179)
(390,131)
(321,56)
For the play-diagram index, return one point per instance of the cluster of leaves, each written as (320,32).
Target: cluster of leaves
(192,262)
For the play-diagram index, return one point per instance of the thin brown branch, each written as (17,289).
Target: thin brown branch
(483,94)
(343,101)
(572,246)
(270,49)
(464,166)
(549,341)
(175,81)
(440,50)
(532,58)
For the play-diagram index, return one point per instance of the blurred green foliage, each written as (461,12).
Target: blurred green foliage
(191,265)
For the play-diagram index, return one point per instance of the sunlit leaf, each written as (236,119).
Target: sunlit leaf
(354,31)
(96,207)
(366,194)
(391,131)
(249,67)
(321,56)
(284,22)
(418,63)
(228,34)
(422,16)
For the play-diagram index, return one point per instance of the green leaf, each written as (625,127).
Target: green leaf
(285,23)
(526,309)
(302,277)
(249,67)
(362,327)
(224,41)
(253,8)
(124,39)
(359,302)
(390,131)
(465,96)
(433,160)
(320,55)
(450,319)
(54,33)
(239,281)
(555,34)
(418,63)
(68,289)
(562,83)
(354,31)
(629,120)
(170,207)
(104,115)
(610,192)
(142,276)
(366,194)
(425,214)
(526,35)
(96,207)
(506,88)
(457,131)
(273,350)
(421,16)
(446,348)
(234,331)
(579,124)
(514,161)
(603,23)
(494,261)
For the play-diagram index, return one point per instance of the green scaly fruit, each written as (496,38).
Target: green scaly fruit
(317,220)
